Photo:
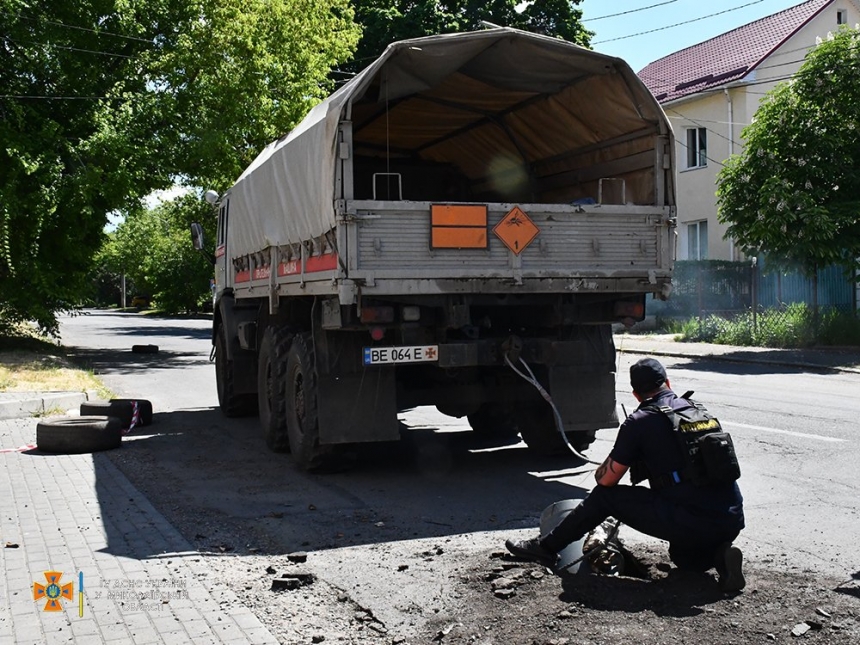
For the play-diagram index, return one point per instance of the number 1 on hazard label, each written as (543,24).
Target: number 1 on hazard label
(412,354)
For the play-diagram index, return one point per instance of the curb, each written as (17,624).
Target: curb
(16,405)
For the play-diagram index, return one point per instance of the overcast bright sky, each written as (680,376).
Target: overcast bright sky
(642,49)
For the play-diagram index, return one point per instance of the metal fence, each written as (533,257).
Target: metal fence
(743,292)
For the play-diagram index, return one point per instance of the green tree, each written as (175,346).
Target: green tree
(105,101)
(385,21)
(152,248)
(794,192)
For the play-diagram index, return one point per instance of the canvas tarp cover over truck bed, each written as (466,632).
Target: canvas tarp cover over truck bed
(516,98)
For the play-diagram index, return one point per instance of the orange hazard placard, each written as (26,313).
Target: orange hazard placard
(458,226)
(516,230)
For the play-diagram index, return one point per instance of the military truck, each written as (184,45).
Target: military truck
(466,204)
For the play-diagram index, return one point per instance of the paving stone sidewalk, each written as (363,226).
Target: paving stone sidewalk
(143,582)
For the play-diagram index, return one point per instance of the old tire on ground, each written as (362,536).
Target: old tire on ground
(536,424)
(144,408)
(144,349)
(75,435)
(232,404)
(271,370)
(123,409)
(301,399)
(493,420)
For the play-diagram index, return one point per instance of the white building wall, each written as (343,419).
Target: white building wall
(724,113)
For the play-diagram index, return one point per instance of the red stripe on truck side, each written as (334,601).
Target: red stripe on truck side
(289,268)
(262,273)
(327,262)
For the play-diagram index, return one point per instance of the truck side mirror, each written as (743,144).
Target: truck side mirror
(197,239)
(197,236)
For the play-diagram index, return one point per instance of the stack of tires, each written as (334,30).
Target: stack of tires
(100,426)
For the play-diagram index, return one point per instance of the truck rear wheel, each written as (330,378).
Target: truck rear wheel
(537,427)
(232,404)
(272,367)
(493,420)
(301,405)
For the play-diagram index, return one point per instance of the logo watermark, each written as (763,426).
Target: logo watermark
(54,591)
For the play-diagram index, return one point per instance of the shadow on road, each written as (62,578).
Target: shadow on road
(214,479)
(741,363)
(113,361)
(679,594)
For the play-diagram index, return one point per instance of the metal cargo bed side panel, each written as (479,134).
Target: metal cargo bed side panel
(392,240)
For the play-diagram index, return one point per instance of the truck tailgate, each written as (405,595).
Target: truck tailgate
(392,240)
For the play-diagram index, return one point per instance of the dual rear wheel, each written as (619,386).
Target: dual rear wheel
(534,422)
(288,397)
(231,403)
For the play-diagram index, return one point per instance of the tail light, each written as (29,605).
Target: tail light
(628,309)
(377,314)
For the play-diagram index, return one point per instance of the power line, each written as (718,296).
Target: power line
(807,49)
(699,123)
(93,31)
(684,118)
(624,13)
(684,145)
(677,24)
(799,74)
(61,98)
(66,47)
(657,79)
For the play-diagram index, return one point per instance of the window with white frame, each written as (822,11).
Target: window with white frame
(697,147)
(841,17)
(697,240)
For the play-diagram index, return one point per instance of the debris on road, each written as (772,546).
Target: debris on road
(292,581)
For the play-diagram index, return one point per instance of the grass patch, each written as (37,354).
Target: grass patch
(30,363)
(793,326)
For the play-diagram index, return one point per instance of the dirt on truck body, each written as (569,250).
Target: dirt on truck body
(467,201)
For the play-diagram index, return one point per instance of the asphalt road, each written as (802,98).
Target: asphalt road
(794,430)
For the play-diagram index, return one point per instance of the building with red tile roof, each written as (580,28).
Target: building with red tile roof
(710,91)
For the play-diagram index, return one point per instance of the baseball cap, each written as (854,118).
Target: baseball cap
(647,375)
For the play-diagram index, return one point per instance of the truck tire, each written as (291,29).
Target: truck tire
(537,427)
(76,435)
(301,399)
(123,409)
(271,370)
(232,405)
(493,420)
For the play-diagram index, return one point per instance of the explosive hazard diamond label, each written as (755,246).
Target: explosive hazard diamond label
(516,230)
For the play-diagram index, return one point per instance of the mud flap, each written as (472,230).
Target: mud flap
(585,397)
(550,518)
(357,407)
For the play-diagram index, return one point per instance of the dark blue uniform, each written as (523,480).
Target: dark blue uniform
(694,520)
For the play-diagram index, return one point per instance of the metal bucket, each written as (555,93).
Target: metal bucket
(550,518)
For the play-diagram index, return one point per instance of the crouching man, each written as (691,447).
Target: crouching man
(698,513)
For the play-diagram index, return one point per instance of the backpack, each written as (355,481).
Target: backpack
(709,453)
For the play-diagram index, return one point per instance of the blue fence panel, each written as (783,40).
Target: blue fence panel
(718,286)
(834,289)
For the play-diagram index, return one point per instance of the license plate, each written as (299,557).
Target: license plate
(413,354)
